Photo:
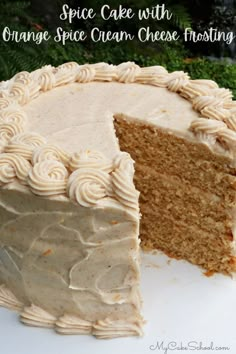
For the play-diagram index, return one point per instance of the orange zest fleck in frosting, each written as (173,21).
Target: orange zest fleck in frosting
(47,252)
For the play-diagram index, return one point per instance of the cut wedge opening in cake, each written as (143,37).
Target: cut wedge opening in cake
(187,195)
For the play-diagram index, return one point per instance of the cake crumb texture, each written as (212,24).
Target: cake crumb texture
(187,195)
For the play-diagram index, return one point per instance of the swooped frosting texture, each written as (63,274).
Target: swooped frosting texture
(69,267)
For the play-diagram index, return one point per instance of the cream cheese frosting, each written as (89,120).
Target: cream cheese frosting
(64,259)
(155,101)
(67,196)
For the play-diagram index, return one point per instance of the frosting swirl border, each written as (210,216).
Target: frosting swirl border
(213,103)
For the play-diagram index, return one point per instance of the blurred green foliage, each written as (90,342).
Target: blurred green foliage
(15,57)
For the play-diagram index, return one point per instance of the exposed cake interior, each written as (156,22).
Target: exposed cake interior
(187,195)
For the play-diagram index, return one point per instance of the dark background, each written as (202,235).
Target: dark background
(202,60)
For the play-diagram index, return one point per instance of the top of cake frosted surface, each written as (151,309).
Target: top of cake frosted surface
(59,104)
(71,108)
(78,116)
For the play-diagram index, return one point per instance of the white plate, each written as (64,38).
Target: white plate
(182,308)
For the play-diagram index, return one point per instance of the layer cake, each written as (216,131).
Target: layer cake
(69,230)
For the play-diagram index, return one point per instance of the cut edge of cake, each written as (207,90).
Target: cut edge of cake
(187,198)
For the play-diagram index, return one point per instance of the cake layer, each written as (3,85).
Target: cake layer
(184,241)
(165,152)
(176,198)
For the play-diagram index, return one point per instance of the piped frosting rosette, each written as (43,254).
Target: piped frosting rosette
(177,80)
(50,152)
(24,89)
(87,186)
(13,166)
(46,78)
(127,72)
(23,77)
(215,129)
(95,178)
(104,72)
(231,122)
(5,102)
(152,75)
(194,88)
(66,73)
(211,107)
(7,132)
(24,144)
(90,159)
(86,73)
(122,181)
(48,178)
(16,116)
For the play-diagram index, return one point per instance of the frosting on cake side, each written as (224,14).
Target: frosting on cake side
(63,260)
